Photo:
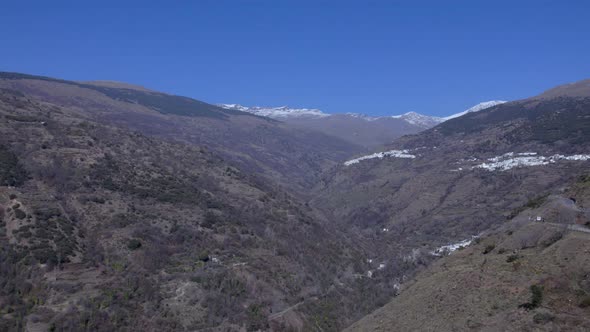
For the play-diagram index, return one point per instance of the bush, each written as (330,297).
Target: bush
(133,244)
(536,202)
(256,319)
(204,256)
(543,317)
(536,298)
(19,214)
(585,303)
(512,258)
(11,171)
(489,249)
(210,219)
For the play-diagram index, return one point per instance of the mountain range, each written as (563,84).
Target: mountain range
(124,208)
(356,128)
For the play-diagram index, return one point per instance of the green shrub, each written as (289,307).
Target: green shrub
(11,171)
(537,295)
(536,298)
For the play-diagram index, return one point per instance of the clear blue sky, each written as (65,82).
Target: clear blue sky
(376,57)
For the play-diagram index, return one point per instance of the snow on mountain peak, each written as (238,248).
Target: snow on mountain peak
(413,118)
(419,119)
(479,107)
(280,112)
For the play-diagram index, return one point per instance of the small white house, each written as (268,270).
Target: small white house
(539,219)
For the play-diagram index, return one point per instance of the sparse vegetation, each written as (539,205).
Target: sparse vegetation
(168,236)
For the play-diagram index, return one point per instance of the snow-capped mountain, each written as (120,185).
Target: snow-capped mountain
(413,118)
(356,128)
(417,119)
(281,112)
(476,108)
(285,112)
(420,120)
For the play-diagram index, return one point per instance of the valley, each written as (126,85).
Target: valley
(125,208)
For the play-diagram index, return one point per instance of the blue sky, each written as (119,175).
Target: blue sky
(375,57)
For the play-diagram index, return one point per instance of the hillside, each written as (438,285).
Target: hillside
(293,157)
(125,208)
(103,229)
(522,276)
(459,179)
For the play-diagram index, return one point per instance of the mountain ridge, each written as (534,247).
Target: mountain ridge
(286,112)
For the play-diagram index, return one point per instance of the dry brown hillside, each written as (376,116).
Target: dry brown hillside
(107,229)
(524,276)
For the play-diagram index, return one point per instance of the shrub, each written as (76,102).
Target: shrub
(537,295)
(512,258)
(585,303)
(536,298)
(11,171)
(204,256)
(489,249)
(543,317)
(256,319)
(210,219)
(536,202)
(133,244)
(19,214)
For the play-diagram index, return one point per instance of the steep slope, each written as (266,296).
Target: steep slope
(106,229)
(295,158)
(523,276)
(476,108)
(460,178)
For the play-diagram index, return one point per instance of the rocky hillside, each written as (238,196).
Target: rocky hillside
(123,208)
(459,179)
(107,229)
(529,274)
